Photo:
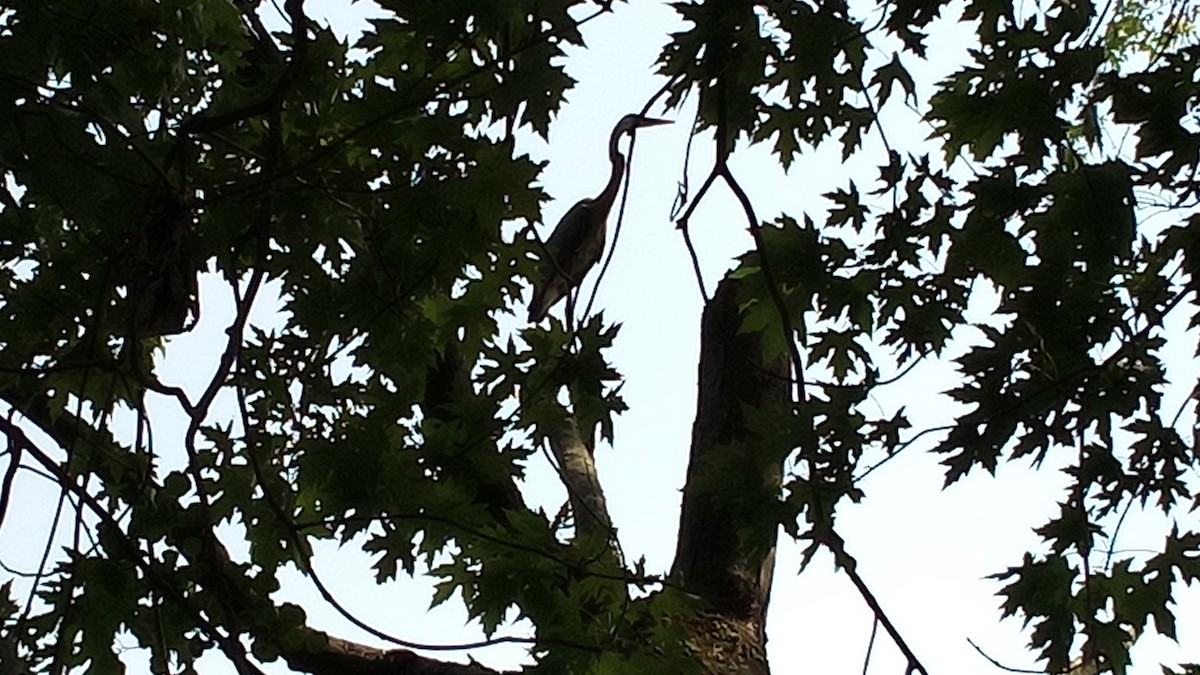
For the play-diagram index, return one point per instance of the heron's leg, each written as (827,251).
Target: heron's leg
(571,295)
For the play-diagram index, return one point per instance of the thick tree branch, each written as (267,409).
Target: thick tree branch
(726,547)
(343,656)
(578,470)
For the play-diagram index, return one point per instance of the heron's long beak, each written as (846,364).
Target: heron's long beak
(651,122)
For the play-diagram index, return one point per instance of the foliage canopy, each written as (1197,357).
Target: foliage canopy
(374,188)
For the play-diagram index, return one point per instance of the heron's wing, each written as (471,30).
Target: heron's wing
(572,228)
(575,245)
(575,233)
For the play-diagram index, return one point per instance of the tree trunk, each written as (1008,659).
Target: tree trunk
(726,547)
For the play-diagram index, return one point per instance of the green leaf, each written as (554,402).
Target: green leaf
(1042,592)
(886,78)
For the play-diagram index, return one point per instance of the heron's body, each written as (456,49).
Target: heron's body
(577,242)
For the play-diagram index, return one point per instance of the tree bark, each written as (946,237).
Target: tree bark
(351,658)
(584,491)
(726,545)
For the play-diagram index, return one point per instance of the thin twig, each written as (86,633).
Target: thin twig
(902,446)
(834,542)
(682,223)
(10,475)
(870,645)
(691,249)
(1001,666)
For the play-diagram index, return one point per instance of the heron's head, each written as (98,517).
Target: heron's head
(630,122)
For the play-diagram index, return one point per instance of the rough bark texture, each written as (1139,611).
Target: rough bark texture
(583,482)
(726,548)
(351,658)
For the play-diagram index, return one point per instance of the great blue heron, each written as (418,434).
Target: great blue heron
(578,240)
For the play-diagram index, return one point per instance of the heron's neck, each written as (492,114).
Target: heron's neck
(618,167)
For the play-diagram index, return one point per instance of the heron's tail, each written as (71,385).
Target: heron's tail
(546,298)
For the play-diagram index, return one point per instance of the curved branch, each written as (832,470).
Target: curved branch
(578,470)
(344,656)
